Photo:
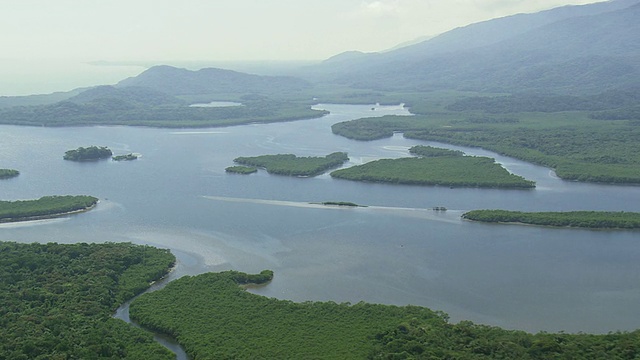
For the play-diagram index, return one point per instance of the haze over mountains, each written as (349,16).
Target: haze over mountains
(572,49)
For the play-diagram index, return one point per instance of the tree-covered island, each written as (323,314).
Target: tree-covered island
(58,300)
(127,157)
(8,173)
(244,170)
(579,219)
(292,165)
(213,317)
(452,171)
(45,207)
(90,153)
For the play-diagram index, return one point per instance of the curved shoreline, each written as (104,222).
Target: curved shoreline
(48,216)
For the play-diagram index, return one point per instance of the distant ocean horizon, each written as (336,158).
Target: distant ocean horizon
(30,77)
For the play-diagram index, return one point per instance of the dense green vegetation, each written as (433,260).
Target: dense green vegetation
(8,173)
(57,300)
(88,154)
(212,317)
(224,321)
(583,219)
(127,157)
(46,206)
(454,171)
(430,151)
(110,111)
(577,146)
(289,164)
(244,170)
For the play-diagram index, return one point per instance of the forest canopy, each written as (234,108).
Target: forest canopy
(292,165)
(57,300)
(88,153)
(44,207)
(226,321)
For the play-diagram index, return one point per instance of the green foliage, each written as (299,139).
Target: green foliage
(46,206)
(109,111)
(245,170)
(578,147)
(127,157)
(57,300)
(582,219)
(423,341)
(292,165)
(8,173)
(212,317)
(454,171)
(88,154)
(430,151)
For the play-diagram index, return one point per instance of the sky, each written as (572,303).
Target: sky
(232,30)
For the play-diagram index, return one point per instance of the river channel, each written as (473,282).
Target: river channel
(396,251)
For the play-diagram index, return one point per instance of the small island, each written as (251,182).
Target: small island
(243,170)
(127,157)
(451,171)
(292,165)
(430,151)
(574,219)
(8,173)
(90,153)
(340,203)
(46,207)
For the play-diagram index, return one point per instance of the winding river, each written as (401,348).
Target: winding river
(396,251)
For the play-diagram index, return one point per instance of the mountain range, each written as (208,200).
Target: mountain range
(571,50)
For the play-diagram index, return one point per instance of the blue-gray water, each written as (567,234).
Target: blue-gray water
(177,195)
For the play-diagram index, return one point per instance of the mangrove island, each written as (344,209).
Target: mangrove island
(90,153)
(578,219)
(45,207)
(292,165)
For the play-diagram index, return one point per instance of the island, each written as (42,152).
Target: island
(292,165)
(8,173)
(90,153)
(430,151)
(214,317)
(575,219)
(127,157)
(46,207)
(58,300)
(244,170)
(451,171)
(340,203)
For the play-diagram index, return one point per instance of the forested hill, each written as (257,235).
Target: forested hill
(176,81)
(576,49)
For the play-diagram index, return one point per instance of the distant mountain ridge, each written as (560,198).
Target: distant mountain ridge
(572,49)
(177,81)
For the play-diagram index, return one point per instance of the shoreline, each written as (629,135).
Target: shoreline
(48,216)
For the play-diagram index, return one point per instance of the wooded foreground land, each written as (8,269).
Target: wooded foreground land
(214,318)
(57,300)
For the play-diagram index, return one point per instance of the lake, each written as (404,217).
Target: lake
(396,251)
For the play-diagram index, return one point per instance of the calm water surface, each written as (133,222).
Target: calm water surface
(178,196)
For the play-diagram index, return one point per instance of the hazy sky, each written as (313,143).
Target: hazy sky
(232,29)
